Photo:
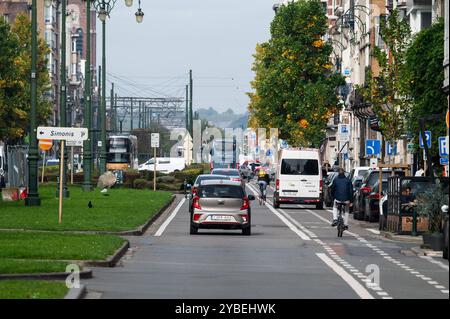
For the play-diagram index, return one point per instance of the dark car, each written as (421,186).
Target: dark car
(370,178)
(197,183)
(372,201)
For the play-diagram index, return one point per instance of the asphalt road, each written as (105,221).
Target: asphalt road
(292,253)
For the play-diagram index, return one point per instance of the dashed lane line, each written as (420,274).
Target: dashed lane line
(166,223)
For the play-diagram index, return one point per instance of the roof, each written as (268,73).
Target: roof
(221,182)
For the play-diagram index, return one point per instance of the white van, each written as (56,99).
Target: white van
(164,164)
(298,178)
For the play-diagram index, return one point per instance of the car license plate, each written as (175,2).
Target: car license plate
(222,218)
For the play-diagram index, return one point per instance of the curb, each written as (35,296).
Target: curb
(110,261)
(409,239)
(84,274)
(76,293)
(426,252)
(142,229)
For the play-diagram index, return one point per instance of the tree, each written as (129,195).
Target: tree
(294,87)
(425,76)
(15,70)
(386,91)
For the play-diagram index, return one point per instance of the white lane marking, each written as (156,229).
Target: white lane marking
(444,291)
(282,218)
(390,259)
(436,262)
(169,219)
(376,232)
(352,282)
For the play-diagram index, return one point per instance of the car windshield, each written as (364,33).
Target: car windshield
(226,172)
(221,191)
(375,176)
(299,167)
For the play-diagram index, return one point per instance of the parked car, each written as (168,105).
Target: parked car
(358,172)
(163,164)
(445,230)
(299,178)
(232,173)
(372,202)
(370,178)
(200,178)
(357,182)
(221,205)
(246,172)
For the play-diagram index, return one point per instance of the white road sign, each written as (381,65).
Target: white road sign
(62,133)
(74,143)
(155,140)
(343,132)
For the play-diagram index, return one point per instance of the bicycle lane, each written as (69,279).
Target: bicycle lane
(363,254)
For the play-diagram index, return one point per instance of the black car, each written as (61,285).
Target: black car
(327,185)
(370,178)
(372,202)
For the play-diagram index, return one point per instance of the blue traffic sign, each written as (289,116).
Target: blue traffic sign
(428,138)
(391,149)
(443,161)
(373,147)
(443,147)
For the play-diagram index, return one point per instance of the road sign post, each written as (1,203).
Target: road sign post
(44,145)
(155,144)
(72,134)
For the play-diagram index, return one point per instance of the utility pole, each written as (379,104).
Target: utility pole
(87,156)
(113,110)
(191,90)
(131,108)
(187,107)
(33,155)
(63,96)
(102,127)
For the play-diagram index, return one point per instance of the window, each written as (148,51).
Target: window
(299,167)
(221,191)
(74,68)
(6,17)
(425,20)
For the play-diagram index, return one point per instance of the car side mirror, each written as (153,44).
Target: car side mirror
(251,197)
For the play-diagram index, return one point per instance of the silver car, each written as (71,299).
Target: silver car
(221,204)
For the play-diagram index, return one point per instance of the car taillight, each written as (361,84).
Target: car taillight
(277,184)
(195,202)
(245,204)
(236,179)
(321,185)
(366,190)
(196,217)
(244,217)
(194,191)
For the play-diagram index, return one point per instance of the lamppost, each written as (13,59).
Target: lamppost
(139,14)
(103,9)
(33,155)
(63,86)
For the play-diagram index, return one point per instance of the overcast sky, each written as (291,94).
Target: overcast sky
(214,38)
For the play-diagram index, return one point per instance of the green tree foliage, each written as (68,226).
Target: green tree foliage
(386,91)
(15,69)
(425,75)
(294,88)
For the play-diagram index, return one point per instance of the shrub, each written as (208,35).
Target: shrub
(165,179)
(131,175)
(429,205)
(167,187)
(140,183)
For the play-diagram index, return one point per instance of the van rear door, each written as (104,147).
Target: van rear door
(299,178)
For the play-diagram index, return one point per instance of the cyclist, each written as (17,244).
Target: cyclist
(341,192)
(263,181)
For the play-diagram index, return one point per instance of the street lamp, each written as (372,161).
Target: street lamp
(128,3)
(139,14)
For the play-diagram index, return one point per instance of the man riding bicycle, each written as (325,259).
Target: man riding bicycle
(263,181)
(341,192)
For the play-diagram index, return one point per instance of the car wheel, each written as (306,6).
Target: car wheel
(276,204)
(319,206)
(193,230)
(247,231)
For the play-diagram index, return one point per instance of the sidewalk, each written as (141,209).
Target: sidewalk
(405,238)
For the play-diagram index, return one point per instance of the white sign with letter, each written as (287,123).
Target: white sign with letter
(62,133)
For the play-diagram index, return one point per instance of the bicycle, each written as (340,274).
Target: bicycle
(340,221)
(262,196)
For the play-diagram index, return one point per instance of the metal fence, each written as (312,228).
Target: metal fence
(17,165)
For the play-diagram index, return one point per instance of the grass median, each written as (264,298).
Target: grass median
(120,210)
(32,289)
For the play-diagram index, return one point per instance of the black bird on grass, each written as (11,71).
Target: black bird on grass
(90,204)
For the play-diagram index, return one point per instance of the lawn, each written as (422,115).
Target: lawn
(29,266)
(123,209)
(32,289)
(57,246)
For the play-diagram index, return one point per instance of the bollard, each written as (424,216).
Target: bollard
(414,225)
